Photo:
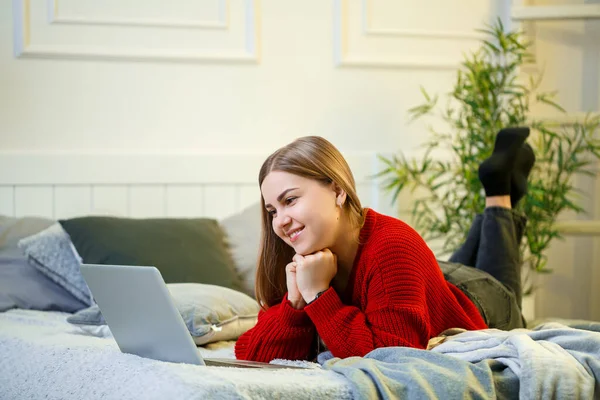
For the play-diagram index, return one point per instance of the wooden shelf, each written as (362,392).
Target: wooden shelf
(560,119)
(580,228)
(541,13)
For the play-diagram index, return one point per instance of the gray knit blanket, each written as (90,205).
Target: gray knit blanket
(42,356)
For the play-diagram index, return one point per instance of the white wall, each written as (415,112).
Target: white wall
(247,76)
(291,87)
(569,54)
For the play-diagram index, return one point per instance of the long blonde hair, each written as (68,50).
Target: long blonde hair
(311,157)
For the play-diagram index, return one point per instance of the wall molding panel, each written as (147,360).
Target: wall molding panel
(25,46)
(370,30)
(344,58)
(555,12)
(220,22)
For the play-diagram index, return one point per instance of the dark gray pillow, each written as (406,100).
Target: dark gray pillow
(184,250)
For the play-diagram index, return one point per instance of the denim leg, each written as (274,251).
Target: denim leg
(467,253)
(498,252)
(520,224)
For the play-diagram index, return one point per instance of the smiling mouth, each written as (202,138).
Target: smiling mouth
(294,235)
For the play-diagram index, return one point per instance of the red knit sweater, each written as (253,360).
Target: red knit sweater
(396,296)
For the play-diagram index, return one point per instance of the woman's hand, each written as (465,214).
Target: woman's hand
(314,272)
(294,295)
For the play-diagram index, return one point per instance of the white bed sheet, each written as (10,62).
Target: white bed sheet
(44,357)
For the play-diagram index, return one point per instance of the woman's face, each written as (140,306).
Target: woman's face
(304,211)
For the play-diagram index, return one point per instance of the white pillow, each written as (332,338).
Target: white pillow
(211,313)
(243,235)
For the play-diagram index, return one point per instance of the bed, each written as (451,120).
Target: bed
(197,221)
(50,358)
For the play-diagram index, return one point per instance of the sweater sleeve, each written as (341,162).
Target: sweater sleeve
(395,315)
(281,332)
(347,331)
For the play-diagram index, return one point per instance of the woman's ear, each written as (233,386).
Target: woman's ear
(340,195)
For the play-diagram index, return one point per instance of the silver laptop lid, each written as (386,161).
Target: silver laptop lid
(140,312)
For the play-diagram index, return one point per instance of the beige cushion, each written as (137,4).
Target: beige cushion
(211,313)
(243,234)
(14,229)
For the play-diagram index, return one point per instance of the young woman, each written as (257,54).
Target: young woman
(334,275)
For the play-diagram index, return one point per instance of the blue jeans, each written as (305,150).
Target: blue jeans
(487,268)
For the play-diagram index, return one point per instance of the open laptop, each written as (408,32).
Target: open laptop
(143,319)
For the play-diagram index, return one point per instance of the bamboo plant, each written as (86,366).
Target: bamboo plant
(491,92)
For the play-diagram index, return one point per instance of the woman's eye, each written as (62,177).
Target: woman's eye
(271,212)
(290,199)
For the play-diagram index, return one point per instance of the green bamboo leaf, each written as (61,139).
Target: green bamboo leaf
(382,173)
(551,103)
(514,40)
(422,109)
(568,204)
(491,45)
(545,270)
(579,167)
(396,193)
(560,161)
(425,93)
(487,32)
(390,163)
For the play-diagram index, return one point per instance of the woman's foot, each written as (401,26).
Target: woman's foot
(518,180)
(495,172)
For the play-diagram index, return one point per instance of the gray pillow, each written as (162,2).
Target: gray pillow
(23,286)
(211,313)
(243,234)
(53,254)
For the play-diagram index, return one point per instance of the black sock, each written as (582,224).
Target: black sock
(495,172)
(518,179)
